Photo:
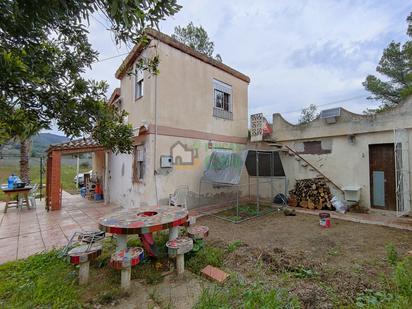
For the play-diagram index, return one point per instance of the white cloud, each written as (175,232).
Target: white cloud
(295,52)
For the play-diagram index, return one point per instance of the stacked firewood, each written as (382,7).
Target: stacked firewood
(311,193)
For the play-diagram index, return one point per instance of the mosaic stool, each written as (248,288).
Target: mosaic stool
(82,255)
(124,260)
(177,248)
(198,232)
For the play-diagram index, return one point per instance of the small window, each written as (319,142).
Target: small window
(222,99)
(138,85)
(138,164)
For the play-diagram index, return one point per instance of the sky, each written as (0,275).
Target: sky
(295,52)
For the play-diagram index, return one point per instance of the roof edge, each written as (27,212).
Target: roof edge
(166,39)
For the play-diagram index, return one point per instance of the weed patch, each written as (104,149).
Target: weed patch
(302,272)
(147,272)
(398,293)
(207,256)
(233,246)
(391,254)
(111,296)
(238,294)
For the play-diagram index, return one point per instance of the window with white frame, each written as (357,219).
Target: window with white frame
(222,99)
(138,83)
(138,164)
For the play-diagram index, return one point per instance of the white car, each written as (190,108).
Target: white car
(80,177)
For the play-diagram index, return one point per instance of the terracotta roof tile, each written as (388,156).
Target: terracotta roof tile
(75,144)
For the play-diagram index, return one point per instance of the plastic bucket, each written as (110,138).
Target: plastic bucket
(324,219)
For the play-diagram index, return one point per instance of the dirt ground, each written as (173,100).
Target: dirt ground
(323,267)
(174,292)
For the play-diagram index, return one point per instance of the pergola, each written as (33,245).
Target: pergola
(54,153)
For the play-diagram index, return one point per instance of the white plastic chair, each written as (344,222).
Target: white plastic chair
(179,197)
(32,195)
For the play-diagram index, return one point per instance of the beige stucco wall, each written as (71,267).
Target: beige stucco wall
(141,111)
(184,101)
(348,162)
(185,95)
(123,192)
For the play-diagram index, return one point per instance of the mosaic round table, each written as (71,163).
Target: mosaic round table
(143,220)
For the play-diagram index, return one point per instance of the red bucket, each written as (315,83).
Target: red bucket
(324,219)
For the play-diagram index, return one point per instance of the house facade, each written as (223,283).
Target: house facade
(370,152)
(194,105)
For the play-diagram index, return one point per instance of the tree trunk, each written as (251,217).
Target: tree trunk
(24,160)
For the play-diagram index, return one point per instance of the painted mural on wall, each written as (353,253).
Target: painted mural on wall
(188,156)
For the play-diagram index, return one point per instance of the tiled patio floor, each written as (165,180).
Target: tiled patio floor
(29,231)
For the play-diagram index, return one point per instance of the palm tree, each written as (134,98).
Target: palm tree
(22,128)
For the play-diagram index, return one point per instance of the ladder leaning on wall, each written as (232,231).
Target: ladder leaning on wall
(402,172)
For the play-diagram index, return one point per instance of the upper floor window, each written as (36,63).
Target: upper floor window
(222,96)
(138,83)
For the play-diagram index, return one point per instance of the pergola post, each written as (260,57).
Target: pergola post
(53,180)
(106,178)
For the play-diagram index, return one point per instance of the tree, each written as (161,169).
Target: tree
(395,66)
(197,38)
(44,50)
(22,127)
(308,114)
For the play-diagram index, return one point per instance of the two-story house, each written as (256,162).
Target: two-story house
(194,105)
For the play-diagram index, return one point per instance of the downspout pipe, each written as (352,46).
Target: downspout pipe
(155,138)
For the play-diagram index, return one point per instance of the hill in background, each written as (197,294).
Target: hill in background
(40,143)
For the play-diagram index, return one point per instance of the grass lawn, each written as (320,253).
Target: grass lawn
(47,280)
(68,171)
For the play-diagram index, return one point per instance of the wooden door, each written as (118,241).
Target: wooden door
(382,176)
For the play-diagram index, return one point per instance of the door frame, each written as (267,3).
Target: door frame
(386,207)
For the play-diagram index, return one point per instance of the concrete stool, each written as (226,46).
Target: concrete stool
(177,248)
(124,260)
(82,256)
(198,232)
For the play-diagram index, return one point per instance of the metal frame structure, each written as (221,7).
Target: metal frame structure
(78,238)
(258,183)
(402,172)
